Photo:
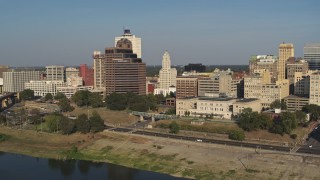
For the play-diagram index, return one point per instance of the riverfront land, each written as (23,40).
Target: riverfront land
(180,158)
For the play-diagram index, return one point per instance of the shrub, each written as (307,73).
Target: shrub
(293,136)
(236,135)
(174,127)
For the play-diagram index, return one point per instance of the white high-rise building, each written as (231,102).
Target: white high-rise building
(55,73)
(41,88)
(167,75)
(135,41)
(15,81)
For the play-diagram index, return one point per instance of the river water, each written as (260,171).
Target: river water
(16,167)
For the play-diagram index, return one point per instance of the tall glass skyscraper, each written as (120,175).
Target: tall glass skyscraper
(311,53)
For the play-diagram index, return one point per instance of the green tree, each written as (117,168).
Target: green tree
(313,110)
(81,98)
(171,111)
(138,103)
(152,102)
(82,124)
(284,124)
(59,96)
(95,100)
(116,102)
(288,121)
(174,127)
(237,135)
(277,104)
(48,97)
(67,126)
(301,117)
(27,94)
(96,122)
(277,127)
(53,122)
(249,120)
(265,121)
(160,98)
(65,106)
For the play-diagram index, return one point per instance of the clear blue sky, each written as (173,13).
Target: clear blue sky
(66,32)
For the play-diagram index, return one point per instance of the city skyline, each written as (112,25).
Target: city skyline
(66,33)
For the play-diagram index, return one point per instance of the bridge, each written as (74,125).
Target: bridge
(8,100)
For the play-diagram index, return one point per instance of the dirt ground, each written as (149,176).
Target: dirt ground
(181,158)
(221,161)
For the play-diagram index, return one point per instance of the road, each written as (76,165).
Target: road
(203,140)
(312,145)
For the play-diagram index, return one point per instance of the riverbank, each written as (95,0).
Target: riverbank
(178,158)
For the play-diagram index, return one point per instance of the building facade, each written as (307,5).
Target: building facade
(15,81)
(218,82)
(167,75)
(124,72)
(41,88)
(135,41)
(69,91)
(187,86)
(87,75)
(295,103)
(55,73)
(311,53)
(99,70)
(314,95)
(264,63)
(292,68)
(240,104)
(71,71)
(286,51)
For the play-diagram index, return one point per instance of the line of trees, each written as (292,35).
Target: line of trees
(285,123)
(133,102)
(59,123)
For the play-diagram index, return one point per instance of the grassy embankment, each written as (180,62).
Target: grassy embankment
(135,152)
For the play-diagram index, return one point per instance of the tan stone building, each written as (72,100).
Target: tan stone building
(292,68)
(260,88)
(295,103)
(264,63)
(274,91)
(219,82)
(219,108)
(286,51)
(205,107)
(240,104)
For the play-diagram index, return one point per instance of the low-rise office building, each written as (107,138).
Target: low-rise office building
(295,103)
(41,88)
(240,104)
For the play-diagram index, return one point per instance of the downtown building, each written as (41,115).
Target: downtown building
(218,83)
(311,53)
(55,73)
(264,62)
(214,107)
(41,88)
(167,77)
(119,70)
(135,42)
(14,81)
